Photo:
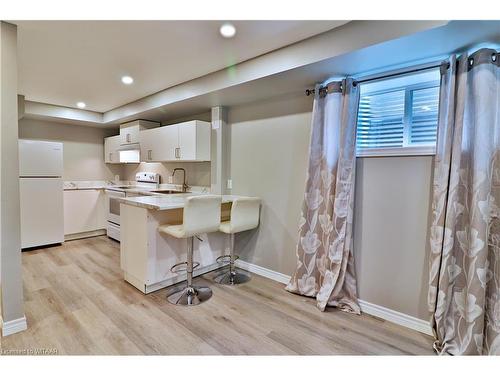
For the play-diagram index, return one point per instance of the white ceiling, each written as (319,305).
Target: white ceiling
(429,45)
(63,62)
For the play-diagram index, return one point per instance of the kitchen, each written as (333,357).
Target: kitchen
(141,191)
(82,209)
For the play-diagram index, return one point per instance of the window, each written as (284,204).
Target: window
(398,116)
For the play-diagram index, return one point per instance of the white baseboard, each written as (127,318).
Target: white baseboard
(146,289)
(265,272)
(13,326)
(79,236)
(366,307)
(396,317)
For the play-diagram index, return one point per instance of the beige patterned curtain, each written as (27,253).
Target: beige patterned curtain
(325,266)
(464,293)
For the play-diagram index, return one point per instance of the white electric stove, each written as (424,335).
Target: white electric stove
(144,182)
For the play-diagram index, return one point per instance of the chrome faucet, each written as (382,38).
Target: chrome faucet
(184,185)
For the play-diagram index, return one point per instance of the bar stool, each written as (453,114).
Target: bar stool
(244,216)
(201,215)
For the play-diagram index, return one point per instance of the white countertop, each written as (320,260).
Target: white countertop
(132,186)
(137,189)
(93,185)
(167,201)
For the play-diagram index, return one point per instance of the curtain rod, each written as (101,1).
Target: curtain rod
(483,55)
(392,73)
(414,69)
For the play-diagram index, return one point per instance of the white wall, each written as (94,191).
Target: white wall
(269,143)
(269,152)
(390,232)
(11,285)
(83,148)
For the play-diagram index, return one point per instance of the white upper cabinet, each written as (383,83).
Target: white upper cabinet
(129,135)
(187,141)
(111,153)
(194,141)
(159,144)
(129,132)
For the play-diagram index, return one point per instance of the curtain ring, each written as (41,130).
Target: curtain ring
(445,65)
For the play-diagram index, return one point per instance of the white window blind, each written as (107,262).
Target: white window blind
(398,116)
(381,120)
(424,116)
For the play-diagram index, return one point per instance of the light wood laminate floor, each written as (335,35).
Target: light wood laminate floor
(78,303)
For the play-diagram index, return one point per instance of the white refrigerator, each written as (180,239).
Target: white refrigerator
(41,193)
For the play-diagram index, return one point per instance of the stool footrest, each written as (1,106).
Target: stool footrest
(226,258)
(223,259)
(173,268)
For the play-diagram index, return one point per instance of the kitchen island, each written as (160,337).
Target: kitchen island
(146,255)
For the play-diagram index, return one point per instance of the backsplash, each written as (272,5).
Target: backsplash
(197,174)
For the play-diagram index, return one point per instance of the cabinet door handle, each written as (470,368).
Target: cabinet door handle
(177,153)
(149,155)
(128,138)
(110,156)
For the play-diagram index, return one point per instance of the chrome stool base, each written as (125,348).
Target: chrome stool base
(190,296)
(232,278)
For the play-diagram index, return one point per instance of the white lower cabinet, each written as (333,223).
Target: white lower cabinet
(84,211)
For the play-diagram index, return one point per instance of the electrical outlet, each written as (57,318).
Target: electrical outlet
(229,184)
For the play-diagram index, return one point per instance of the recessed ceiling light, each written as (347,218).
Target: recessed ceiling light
(127,80)
(81,105)
(227,30)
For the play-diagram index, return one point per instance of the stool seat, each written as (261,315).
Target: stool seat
(244,216)
(176,231)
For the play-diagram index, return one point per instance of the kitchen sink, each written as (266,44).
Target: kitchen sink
(166,191)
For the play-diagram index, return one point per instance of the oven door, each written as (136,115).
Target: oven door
(114,205)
